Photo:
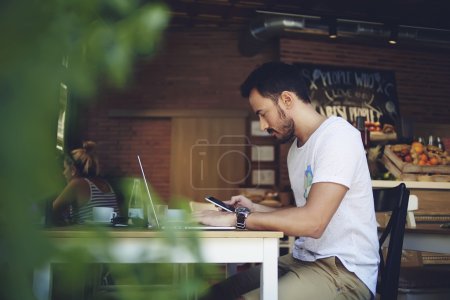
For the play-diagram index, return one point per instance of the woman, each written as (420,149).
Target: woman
(84,189)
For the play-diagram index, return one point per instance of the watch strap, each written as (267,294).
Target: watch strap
(241,217)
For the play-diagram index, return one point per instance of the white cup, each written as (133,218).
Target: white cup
(102,214)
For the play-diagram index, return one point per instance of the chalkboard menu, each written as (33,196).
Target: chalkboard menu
(350,92)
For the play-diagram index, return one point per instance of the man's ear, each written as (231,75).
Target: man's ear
(287,99)
(73,170)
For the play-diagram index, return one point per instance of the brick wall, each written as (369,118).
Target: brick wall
(193,70)
(202,69)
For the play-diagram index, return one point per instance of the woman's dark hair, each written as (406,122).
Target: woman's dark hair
(84,160)
(273,78)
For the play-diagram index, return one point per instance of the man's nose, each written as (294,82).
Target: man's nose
(263,125)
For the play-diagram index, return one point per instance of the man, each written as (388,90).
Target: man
(336,254)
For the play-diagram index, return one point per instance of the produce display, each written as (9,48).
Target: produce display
(417,162)
(376,127)
(372,126)
(419,154)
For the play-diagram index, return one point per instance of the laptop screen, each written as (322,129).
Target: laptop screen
(152,211)
(150,200)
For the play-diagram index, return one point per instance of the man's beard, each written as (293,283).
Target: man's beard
(287,127)
(286,133)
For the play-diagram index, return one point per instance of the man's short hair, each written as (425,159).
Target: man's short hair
(273,78)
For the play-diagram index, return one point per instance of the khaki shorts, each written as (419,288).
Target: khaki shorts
(323,279)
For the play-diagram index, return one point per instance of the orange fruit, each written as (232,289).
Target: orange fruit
(434,161)
(422,163)
(423,157)
(418,148)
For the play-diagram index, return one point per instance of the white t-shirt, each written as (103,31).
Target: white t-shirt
(335,153)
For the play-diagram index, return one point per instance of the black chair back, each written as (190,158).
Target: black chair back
(394,200)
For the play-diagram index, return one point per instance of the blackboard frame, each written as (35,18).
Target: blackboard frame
(350,92)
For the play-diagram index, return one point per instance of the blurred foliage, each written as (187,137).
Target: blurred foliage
(100,39)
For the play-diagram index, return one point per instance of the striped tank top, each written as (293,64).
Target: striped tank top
(98,199)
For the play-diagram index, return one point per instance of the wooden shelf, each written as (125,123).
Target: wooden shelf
(382,137)
(412,184)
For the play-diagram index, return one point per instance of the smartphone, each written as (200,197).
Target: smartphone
(220,204)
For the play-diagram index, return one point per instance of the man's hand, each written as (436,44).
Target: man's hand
(214,217)
(240,200)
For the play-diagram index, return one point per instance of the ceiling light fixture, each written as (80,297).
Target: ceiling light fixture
(393,36)
(332,29)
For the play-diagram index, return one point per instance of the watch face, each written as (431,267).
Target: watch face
(242,209)
(241,216)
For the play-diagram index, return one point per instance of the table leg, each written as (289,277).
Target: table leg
(269,270)
(42,282)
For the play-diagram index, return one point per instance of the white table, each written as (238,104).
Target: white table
(143,246)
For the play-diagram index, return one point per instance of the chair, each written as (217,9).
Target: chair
(394,200)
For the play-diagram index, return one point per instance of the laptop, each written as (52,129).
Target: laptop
(177,225)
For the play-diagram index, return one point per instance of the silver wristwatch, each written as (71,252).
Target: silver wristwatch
(241,216)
